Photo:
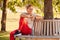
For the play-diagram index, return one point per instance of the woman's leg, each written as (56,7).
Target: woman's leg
(12,35)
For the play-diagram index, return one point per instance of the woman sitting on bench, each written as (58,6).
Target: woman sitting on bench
(25,23)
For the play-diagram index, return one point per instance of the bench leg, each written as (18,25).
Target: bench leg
(28,38)
(20,39)
(17,38)
(24,38)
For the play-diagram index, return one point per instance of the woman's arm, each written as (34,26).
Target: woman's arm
(24,15)
(39,17)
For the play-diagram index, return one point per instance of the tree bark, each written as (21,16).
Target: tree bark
(1,4)
(3,20)
(48,9)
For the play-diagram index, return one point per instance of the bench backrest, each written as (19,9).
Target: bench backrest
(46,27)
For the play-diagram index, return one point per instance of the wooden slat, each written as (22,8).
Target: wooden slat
(47,28)
(36,28)
(59,27)
(34,24)
(56,27)
(39,28)
(50,28)
(44,27)
(40,39)
(46,39)
(24,36)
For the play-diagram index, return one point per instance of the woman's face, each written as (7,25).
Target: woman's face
(30,9)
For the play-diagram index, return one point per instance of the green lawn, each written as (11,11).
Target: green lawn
(4,35)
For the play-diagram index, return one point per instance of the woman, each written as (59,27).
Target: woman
(25,23)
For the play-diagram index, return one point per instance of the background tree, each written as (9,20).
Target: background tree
(3,21)
(48,9)
(1,4)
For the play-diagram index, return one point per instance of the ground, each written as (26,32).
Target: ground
(4,36)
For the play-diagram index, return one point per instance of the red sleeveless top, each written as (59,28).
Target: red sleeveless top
(23,26)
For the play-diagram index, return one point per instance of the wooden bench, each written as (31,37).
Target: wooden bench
(44,30)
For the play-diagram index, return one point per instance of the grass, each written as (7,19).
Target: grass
(4,38)
(4,35)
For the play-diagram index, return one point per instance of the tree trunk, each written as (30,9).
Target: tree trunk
(1,3)
(48,9)
(3,20)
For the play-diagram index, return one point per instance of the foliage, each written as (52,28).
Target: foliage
(37,3)
(56,7)
(11,4)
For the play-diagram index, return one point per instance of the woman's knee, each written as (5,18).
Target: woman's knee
(13,32)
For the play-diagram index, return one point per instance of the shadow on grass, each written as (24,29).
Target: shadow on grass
(4,38)
(4,35)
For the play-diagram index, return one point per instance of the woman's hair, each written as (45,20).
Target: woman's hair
(29,5)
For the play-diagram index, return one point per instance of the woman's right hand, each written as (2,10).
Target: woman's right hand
(28,16)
